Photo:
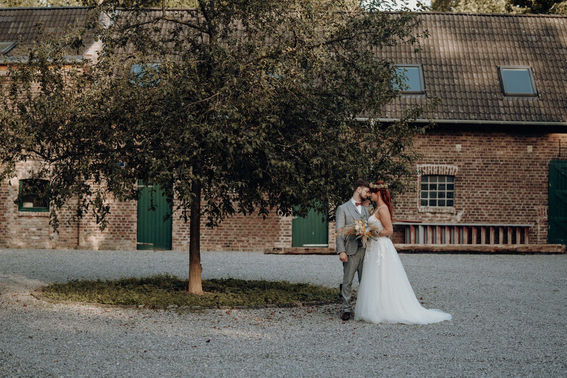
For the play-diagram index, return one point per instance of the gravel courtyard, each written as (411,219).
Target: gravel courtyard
(509,319)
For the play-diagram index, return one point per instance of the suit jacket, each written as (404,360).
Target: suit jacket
(347,215)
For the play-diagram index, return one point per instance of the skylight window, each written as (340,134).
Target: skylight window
(517,81)
(145,74)
(6,46)
(410,79)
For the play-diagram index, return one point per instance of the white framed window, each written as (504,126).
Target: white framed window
(437,191)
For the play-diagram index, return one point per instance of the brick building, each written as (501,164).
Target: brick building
(492,172)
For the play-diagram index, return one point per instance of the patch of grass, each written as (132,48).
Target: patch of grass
(166,291)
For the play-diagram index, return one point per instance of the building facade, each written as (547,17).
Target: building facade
(492,170)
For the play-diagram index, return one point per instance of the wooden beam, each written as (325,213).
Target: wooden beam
(474,235)
(436,248)
(526,235)
(509,234)
(486,248)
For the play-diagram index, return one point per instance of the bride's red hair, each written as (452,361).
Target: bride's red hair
(380,187)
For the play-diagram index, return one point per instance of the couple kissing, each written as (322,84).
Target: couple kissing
(364,247)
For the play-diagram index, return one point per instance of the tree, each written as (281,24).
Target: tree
(472,6)
(234,107)
(541,6)
(501,6)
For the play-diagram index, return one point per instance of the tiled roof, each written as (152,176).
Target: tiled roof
(460,61)
(24,25)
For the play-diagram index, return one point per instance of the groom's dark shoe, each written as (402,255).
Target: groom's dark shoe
(346,316)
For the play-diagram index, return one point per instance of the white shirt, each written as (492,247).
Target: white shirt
(359,207)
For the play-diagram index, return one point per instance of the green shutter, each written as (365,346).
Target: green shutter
(311,231)
(557,202)
(154,219)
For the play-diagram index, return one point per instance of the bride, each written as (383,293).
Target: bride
(385,294)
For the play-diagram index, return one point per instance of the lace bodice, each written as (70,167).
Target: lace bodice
(375,221)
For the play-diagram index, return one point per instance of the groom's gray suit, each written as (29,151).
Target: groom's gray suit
(347,214)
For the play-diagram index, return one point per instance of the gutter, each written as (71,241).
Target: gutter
(470,122)
(24,59)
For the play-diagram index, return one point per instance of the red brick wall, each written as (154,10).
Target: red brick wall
(120,232)
(4,197)
(237,233)
(31,229)
(500,177)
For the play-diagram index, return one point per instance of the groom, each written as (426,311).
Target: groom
(350,250)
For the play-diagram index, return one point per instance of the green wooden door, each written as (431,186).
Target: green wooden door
(557,212)
(311,231)
(154,218)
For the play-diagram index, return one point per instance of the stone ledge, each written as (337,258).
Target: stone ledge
(437,248)
(300,251)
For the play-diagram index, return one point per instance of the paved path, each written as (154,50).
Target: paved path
(509,319)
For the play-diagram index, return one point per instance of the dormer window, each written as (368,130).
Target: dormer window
(409,79)
(6,46)
(517,81)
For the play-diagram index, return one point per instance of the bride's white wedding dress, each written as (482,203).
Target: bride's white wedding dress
(385,294)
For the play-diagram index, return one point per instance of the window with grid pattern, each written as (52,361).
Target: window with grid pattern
(437,191)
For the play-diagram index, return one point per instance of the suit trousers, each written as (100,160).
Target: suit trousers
(352,266)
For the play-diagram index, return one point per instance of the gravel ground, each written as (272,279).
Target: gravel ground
(509,319)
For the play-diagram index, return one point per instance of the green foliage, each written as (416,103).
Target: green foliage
(253,107)
(163,291)
(45,116)
(541,6)
(472,6)
(501,6)
(261,116)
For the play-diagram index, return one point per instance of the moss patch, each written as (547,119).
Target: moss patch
(166,291)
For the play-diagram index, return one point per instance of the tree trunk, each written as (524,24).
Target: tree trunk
(195,268)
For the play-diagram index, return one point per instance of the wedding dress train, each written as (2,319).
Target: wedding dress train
(385,294)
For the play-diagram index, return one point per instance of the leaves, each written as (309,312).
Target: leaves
(257,102)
